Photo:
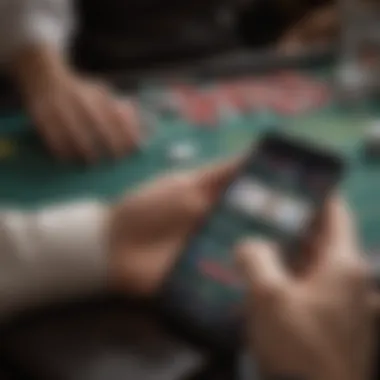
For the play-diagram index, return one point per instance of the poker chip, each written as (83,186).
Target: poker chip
(298,95)
(235,95)
(181,152)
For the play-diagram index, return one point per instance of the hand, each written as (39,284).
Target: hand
(317,324)
(151,226)
(317,29)
(76,117)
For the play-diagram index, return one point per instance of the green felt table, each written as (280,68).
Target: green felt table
(31,178)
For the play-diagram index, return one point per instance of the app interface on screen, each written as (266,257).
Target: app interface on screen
(274,198)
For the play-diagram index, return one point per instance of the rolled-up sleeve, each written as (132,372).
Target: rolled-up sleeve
(26,22)
(54,253)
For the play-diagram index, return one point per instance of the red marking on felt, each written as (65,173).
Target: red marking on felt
(289,78)
(235,94)
(261,95)
(201,109)
(297,94)
(218,273)
(285,92)
(184,90)
(184,94)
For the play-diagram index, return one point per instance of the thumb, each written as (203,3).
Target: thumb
(216,177)
(260,264)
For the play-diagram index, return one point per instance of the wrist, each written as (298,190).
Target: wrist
(36,64)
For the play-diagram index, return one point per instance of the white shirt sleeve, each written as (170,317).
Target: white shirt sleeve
(24,22)
(55,253)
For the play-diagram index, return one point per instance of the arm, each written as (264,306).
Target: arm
(33,23)
(78,118)
(34,35)
(54,253)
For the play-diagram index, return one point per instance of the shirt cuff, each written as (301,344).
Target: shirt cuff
(43,29)
(58,252)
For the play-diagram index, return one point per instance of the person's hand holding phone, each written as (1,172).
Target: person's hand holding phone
(150,226)
(316,324)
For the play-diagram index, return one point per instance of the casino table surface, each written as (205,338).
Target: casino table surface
(34,179)
(31,178)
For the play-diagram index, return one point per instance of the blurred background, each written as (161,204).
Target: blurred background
(311,65)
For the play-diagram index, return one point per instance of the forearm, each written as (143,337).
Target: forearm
(55,253)
(34,62)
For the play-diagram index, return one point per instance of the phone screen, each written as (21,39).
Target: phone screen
(275,196)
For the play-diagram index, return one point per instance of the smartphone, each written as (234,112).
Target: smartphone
(276,195)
